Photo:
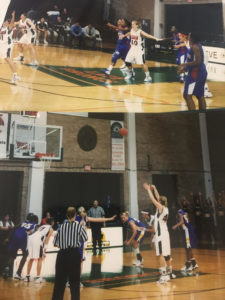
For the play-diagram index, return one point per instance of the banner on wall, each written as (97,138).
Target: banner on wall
(214,54)
(118,149)
(3,135)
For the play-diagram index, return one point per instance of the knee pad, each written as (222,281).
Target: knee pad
(167,258)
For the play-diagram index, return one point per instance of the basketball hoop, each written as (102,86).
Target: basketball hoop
(45,158)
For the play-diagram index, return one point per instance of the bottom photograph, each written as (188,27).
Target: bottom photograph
(112,205)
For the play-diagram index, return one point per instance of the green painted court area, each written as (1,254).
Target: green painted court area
(95,76)
(130,275)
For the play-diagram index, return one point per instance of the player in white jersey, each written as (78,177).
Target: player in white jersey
(4,4)
(36,246)
(162,238)
(28,38)
(6,45)
(136,54)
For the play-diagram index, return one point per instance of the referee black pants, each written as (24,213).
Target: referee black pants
(68,265)
(96,235)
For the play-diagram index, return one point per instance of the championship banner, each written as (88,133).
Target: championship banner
(3,135)
(118,149)
(214,54)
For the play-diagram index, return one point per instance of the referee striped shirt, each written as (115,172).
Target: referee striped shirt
(70,235)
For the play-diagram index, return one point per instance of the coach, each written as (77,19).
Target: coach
(96,212)
(69,238)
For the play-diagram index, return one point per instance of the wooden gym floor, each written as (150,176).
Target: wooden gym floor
(112,277)
(71,80)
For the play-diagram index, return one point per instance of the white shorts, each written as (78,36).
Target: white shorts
(162,244)
(35,246)
(27,39)
(135,57)
(5,51)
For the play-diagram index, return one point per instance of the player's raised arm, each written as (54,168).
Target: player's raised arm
(147,187)
(12,22)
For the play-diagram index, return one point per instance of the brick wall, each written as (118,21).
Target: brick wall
(133,9)
(173,144)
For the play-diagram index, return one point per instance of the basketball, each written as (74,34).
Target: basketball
(123,131)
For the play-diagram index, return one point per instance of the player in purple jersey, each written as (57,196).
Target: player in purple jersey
(181,50)
(197,74)
(189,240)
(123,44)
(137,229)
(19,241)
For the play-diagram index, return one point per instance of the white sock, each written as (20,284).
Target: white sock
(147,74)
(162,271)
(21,54)
(110,68)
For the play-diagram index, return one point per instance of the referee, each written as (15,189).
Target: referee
(96,211)
(69,238)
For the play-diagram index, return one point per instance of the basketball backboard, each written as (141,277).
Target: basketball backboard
(36,141)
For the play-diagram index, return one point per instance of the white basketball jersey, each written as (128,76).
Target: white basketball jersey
(6,36)
(161,221)
(25,26)
(137,41)
(43,231)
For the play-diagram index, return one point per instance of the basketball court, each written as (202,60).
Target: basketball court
(72,80)
(122,280)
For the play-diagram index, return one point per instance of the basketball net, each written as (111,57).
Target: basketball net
(46,160)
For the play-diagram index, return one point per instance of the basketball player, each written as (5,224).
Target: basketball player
(189,240)
(6,46)
(149,219)
(197,74)
(37,243)
(137,229)
(136,53)
(19,241)
(28,38)
(123,44)
(4,4)
(162,238)
(181,50)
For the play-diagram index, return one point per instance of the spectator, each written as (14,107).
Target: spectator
(89,33)
(208,222)
(65,16)
(96,212)
(60,30)
(54,13)
(76,34)
(47,216)
(6,224)
(198,215)
(220,212)
(42,29)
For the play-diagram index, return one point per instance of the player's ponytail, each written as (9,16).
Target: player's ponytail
(81,211)
(164,201)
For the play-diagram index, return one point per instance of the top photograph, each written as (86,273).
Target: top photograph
(112,55)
